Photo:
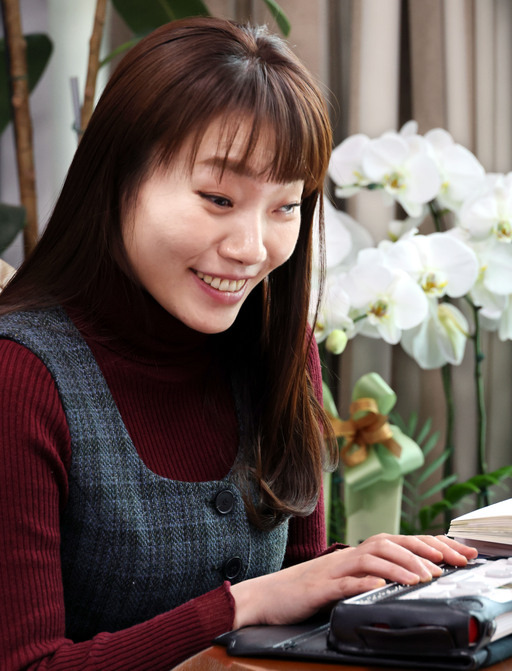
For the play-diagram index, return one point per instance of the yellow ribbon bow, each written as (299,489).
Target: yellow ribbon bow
(361,431)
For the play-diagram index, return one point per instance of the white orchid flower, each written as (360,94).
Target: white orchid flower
(441,263)
(494,280)
(403,167)
(495,270)
(389,299)
(345,167)
(488,213)
(333,313)
(505,322)
(439,339)
(460,170)
(409,128)
(338,240)
(401,228)
(491,293)
(496,267)
(344,237)
(342,248)
(499,320)
(491,305)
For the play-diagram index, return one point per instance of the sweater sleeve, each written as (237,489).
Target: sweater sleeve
(34,457)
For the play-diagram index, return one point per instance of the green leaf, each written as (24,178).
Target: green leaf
(408,501)
(407,528)
(432,468)
(329,404)
(484,480)
(143,16)
(119,50)
(280,17)
(397,420)
(460,490)
(431,443)
(503,472)
(12,221)
(39,50)
(439,486)
(424,431)
(429,513)
(412,424)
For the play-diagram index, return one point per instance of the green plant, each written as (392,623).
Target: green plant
(418,517)
(336,518)
(143,16)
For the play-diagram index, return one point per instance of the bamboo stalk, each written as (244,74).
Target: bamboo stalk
(93,65)
(16,49)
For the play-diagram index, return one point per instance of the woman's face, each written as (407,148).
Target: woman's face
(199,241)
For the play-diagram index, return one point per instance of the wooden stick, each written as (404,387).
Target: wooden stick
(16,49)
(93,65)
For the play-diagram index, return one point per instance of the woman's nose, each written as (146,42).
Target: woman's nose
(244,240)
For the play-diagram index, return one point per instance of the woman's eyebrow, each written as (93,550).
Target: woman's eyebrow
(237,167)
(222,164)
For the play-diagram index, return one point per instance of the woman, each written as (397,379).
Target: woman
(162,440)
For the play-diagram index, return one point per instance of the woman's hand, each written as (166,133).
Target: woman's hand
(298,592)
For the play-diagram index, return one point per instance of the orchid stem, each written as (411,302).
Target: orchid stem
(446,374)
(483,497)
(436,216)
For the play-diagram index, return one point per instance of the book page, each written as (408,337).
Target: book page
(500,509)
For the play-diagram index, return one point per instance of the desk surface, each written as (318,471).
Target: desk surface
(216,659)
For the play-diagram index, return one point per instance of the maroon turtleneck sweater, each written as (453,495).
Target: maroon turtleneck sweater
(156,377)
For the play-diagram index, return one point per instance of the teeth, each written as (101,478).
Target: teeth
(220,284)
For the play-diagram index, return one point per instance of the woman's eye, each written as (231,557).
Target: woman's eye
(219,201)
(289,208)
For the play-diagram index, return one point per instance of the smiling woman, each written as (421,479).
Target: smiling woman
(162,438)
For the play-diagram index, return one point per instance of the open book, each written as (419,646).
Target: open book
(488,529)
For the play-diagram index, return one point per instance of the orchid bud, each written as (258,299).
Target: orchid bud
(336,341)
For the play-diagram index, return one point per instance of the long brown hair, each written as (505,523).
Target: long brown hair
(166,90)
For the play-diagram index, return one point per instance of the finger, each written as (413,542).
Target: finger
(409,552)
(350,586)
(389,561)
(456,553)
(425,546)
(437,549)
(440,549)
(450,551)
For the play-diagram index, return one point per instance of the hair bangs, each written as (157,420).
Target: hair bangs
(265,107)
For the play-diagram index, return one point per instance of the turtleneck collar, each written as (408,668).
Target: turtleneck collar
(140,329)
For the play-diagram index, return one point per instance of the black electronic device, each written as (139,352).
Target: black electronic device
(455,615)
(461,620)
